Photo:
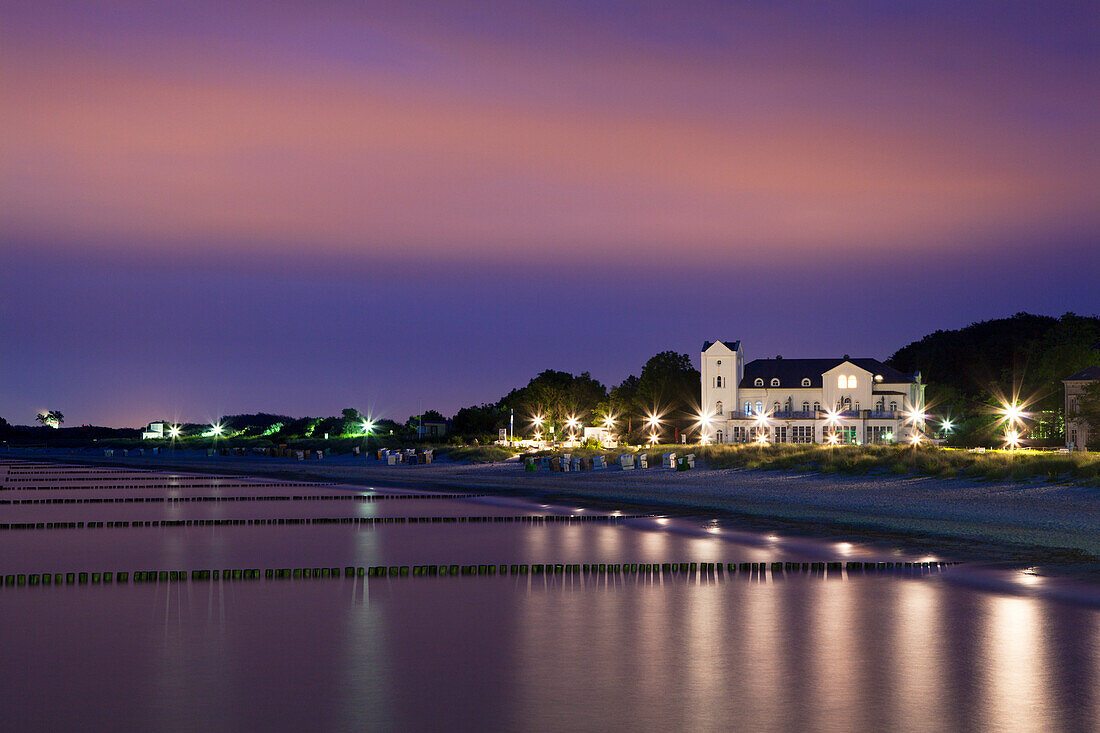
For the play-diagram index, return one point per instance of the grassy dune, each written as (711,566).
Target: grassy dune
(898,460)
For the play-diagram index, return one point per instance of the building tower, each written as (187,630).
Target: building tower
(721,366)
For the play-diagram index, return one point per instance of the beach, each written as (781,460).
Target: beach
(1033,522)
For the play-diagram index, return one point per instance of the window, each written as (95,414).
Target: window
(846,434)
(759,407)
(780,434)
(805,381)
(856,408)
(880,405)
(739,435)
(841,382)
(880,434)
(775,382)
(893,406)
(805,406)
(718,437)
(718,407)
(718,381)
(851,382)
(758,382)
(817,407)
(802,434)
(775,407)
(748,408)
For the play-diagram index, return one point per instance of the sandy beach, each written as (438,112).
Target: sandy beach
(1032,522)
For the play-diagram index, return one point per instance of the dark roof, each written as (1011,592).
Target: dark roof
(1088,373)
(791,372)
(731,345)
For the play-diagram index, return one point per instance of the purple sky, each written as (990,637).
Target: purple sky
(298,207)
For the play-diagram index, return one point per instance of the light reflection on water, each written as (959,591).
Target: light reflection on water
(753,652)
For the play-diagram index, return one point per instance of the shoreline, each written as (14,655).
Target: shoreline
(1056,526)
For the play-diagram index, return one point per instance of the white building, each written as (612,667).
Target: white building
(806,400)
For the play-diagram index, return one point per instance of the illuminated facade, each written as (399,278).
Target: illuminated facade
(1079,434)
(781,400)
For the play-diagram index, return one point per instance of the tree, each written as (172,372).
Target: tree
(52,418)
(669,387)
(555,397)
(483,420)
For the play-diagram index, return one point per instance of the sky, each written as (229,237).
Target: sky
(295,207)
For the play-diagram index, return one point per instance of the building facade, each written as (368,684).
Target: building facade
(1079,434)
(842,400)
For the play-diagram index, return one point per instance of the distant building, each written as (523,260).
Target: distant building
(155,431)
(432,428)
(601,435)
(1079,434)
(806,400)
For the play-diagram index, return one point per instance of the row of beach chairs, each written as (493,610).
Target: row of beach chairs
(627,462)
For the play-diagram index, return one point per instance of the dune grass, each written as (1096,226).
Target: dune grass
(886,459)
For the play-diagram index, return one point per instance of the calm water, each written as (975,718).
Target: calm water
(961,649)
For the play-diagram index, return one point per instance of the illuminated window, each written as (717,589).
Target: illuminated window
(851,382)
(748,408)
(758,382)
(805,381)
(759,408)
(841,381)
(718,408)
(775,382)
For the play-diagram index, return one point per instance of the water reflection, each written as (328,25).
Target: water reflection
(757,651)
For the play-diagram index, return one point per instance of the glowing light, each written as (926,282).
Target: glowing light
(217,428)
(572,423)
(947,425)
(538,420)
(174,431)
(538,436)
(844,548)
(653,438)
(831,417)
(653,421)
(609,422)
(915,438)
(1012,413)
(762,439)
(368,426)
(1012,438)
(915,416)
(832,438)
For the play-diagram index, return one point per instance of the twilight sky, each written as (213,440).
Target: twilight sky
(209,208)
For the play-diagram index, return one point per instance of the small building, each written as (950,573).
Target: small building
(601,435)
(155,431)
(432,428)
(1079,434)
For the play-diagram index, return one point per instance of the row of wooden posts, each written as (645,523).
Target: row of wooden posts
(402,571)
(190,499)
(291,521)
